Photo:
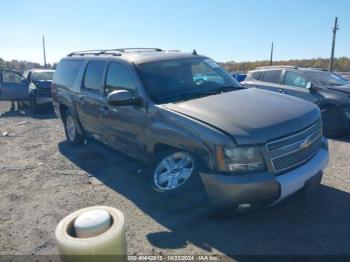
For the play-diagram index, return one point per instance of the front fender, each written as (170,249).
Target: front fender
(168,136)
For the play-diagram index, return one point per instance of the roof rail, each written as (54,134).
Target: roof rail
(114,52)
(140,49)
(277,66)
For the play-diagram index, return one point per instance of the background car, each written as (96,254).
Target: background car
(327,90)
(239,76)
(40,81)
(13,86)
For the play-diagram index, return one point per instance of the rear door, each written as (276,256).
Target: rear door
(92,99)
(294,84)
(13,86)
(271,81)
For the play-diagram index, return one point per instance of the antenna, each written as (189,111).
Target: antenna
(194,52)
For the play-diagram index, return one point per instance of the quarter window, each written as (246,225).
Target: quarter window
(93,79)
(119,78)
(66,72)
(294,79)
(272,76)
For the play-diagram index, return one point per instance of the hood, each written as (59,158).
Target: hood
(43,83)
(251,116)
(345,89)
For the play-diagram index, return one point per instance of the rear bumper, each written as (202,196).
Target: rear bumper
(261,189)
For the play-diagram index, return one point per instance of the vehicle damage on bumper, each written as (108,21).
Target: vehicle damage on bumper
(251,191)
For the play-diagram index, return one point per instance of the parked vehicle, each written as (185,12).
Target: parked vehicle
(40,81)
(239,76)
(344,76)
(13,86)
(325,89)
(239,148)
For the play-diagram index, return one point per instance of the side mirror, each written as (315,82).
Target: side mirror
(309,85)
(122,98)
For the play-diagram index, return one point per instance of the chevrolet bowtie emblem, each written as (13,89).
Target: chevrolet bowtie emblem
(306,143)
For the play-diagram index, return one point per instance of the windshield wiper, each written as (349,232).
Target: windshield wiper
(198,94)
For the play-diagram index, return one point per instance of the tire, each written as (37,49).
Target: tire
(333,122)
(188,191)
(73,136)
(35,108)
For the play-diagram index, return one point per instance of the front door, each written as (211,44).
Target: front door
(13,86)
(124,126)
(92,99)
(294,84)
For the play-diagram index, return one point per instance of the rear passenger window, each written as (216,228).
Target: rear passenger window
(93,79)
(272,76)
(119,78)
(66,72)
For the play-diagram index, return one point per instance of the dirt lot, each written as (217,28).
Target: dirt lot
(42,179)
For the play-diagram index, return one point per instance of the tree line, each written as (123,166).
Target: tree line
(21,65)
(341,64)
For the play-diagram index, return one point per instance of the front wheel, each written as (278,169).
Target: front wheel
(70,127)
(175,179)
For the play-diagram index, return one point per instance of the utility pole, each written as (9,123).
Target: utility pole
(335,29)
(44,52)
(271,56)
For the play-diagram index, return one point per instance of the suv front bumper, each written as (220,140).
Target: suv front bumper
(261,189)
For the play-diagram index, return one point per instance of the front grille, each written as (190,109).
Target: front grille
(44,92)
(295,158)
(275,145)
(296,149)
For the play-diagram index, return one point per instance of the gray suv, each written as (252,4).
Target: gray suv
(200,132)
(327,90)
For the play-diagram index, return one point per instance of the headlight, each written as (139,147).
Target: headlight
(239,159)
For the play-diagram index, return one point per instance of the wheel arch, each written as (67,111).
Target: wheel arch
(66,104)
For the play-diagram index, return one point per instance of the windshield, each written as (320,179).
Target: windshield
(326,79)
(182,79)
(39,76)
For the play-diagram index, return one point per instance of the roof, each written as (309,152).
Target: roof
(135,55)
(41,70)
(304,69)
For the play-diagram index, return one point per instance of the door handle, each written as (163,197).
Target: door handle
(82,100)
(282,91)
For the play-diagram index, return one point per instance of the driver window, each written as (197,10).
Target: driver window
(294,79)
(119,78)
(11,77)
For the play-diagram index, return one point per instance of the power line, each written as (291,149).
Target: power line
(335,29)
(44,52)
(271,56)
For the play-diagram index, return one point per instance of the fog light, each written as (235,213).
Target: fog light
(244,206)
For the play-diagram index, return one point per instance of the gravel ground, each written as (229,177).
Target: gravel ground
(42,180)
